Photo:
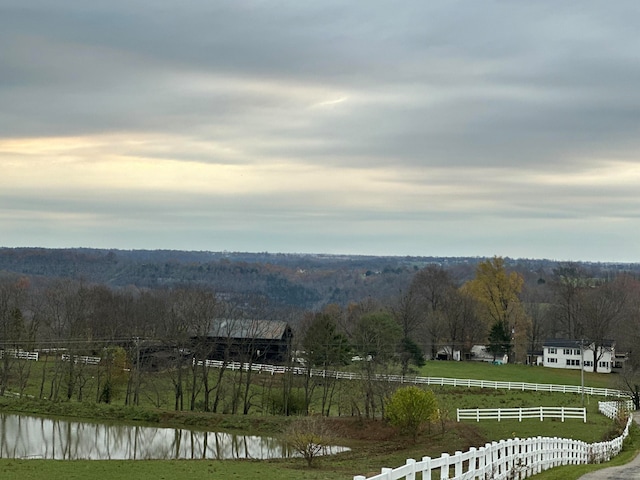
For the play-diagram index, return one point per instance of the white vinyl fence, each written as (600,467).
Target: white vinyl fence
(519,413)
(82,359)
(20,354)
(506,459)
(615,409)
(453,382)
(412,380)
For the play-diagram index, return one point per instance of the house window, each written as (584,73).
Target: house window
(576,352)
(588,363)
(572,362)
(552,360)
(552,351)
(603,364)
(566,351)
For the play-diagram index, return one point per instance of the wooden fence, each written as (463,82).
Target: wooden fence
(413,380)
(513,458)
(519,413)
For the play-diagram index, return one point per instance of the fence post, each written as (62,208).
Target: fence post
(412,472)
(473,456)
(458,464)
(482,460)
(426,467)
(444,469)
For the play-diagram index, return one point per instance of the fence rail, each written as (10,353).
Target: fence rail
(20,354)
(615,409)
(513,458)
(414,380)
(81,359)
(519,413)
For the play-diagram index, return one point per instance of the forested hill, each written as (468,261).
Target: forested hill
(301,280)
(306,281)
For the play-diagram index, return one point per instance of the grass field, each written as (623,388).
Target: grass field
(374,444)
(516,373)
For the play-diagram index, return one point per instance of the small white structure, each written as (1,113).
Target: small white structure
(575,354)
(535,358)
(447,353)
(480,353)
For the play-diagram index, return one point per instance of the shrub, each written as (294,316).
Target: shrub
(295,404)
(309,436)
(411,407)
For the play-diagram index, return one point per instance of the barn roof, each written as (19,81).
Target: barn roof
(248,329)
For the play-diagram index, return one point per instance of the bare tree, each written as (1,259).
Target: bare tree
(175,328)
(430,287)
(568,283)
(200,306)
(13,330)
(309,436)
(461,326)
(602,310)
(323,347)
(536,302)
(375,341)
(65,315)
(406,312)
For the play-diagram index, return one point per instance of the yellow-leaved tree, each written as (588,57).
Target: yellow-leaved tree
(497,292)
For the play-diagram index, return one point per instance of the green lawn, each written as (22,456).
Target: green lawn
(516,373)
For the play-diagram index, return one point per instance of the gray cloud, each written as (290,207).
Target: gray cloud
(464,106)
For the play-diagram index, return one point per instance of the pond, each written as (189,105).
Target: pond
(32,437)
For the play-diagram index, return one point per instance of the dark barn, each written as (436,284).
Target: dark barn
(262,341)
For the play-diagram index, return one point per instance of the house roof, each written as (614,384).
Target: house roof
(248,328)
(562,342)
(566,343)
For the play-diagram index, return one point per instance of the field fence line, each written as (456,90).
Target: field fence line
(507,459)
(520,413)
(616,409)
(415,380)
(21,354)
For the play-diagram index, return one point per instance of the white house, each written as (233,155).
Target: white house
(574,354)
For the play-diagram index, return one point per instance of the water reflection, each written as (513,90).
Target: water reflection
(31,437)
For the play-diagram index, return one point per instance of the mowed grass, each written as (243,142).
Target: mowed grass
(516,373)
(160,469)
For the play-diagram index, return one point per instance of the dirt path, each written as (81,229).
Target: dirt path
(630,471)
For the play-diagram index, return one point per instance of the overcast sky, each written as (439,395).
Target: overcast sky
(453,128)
